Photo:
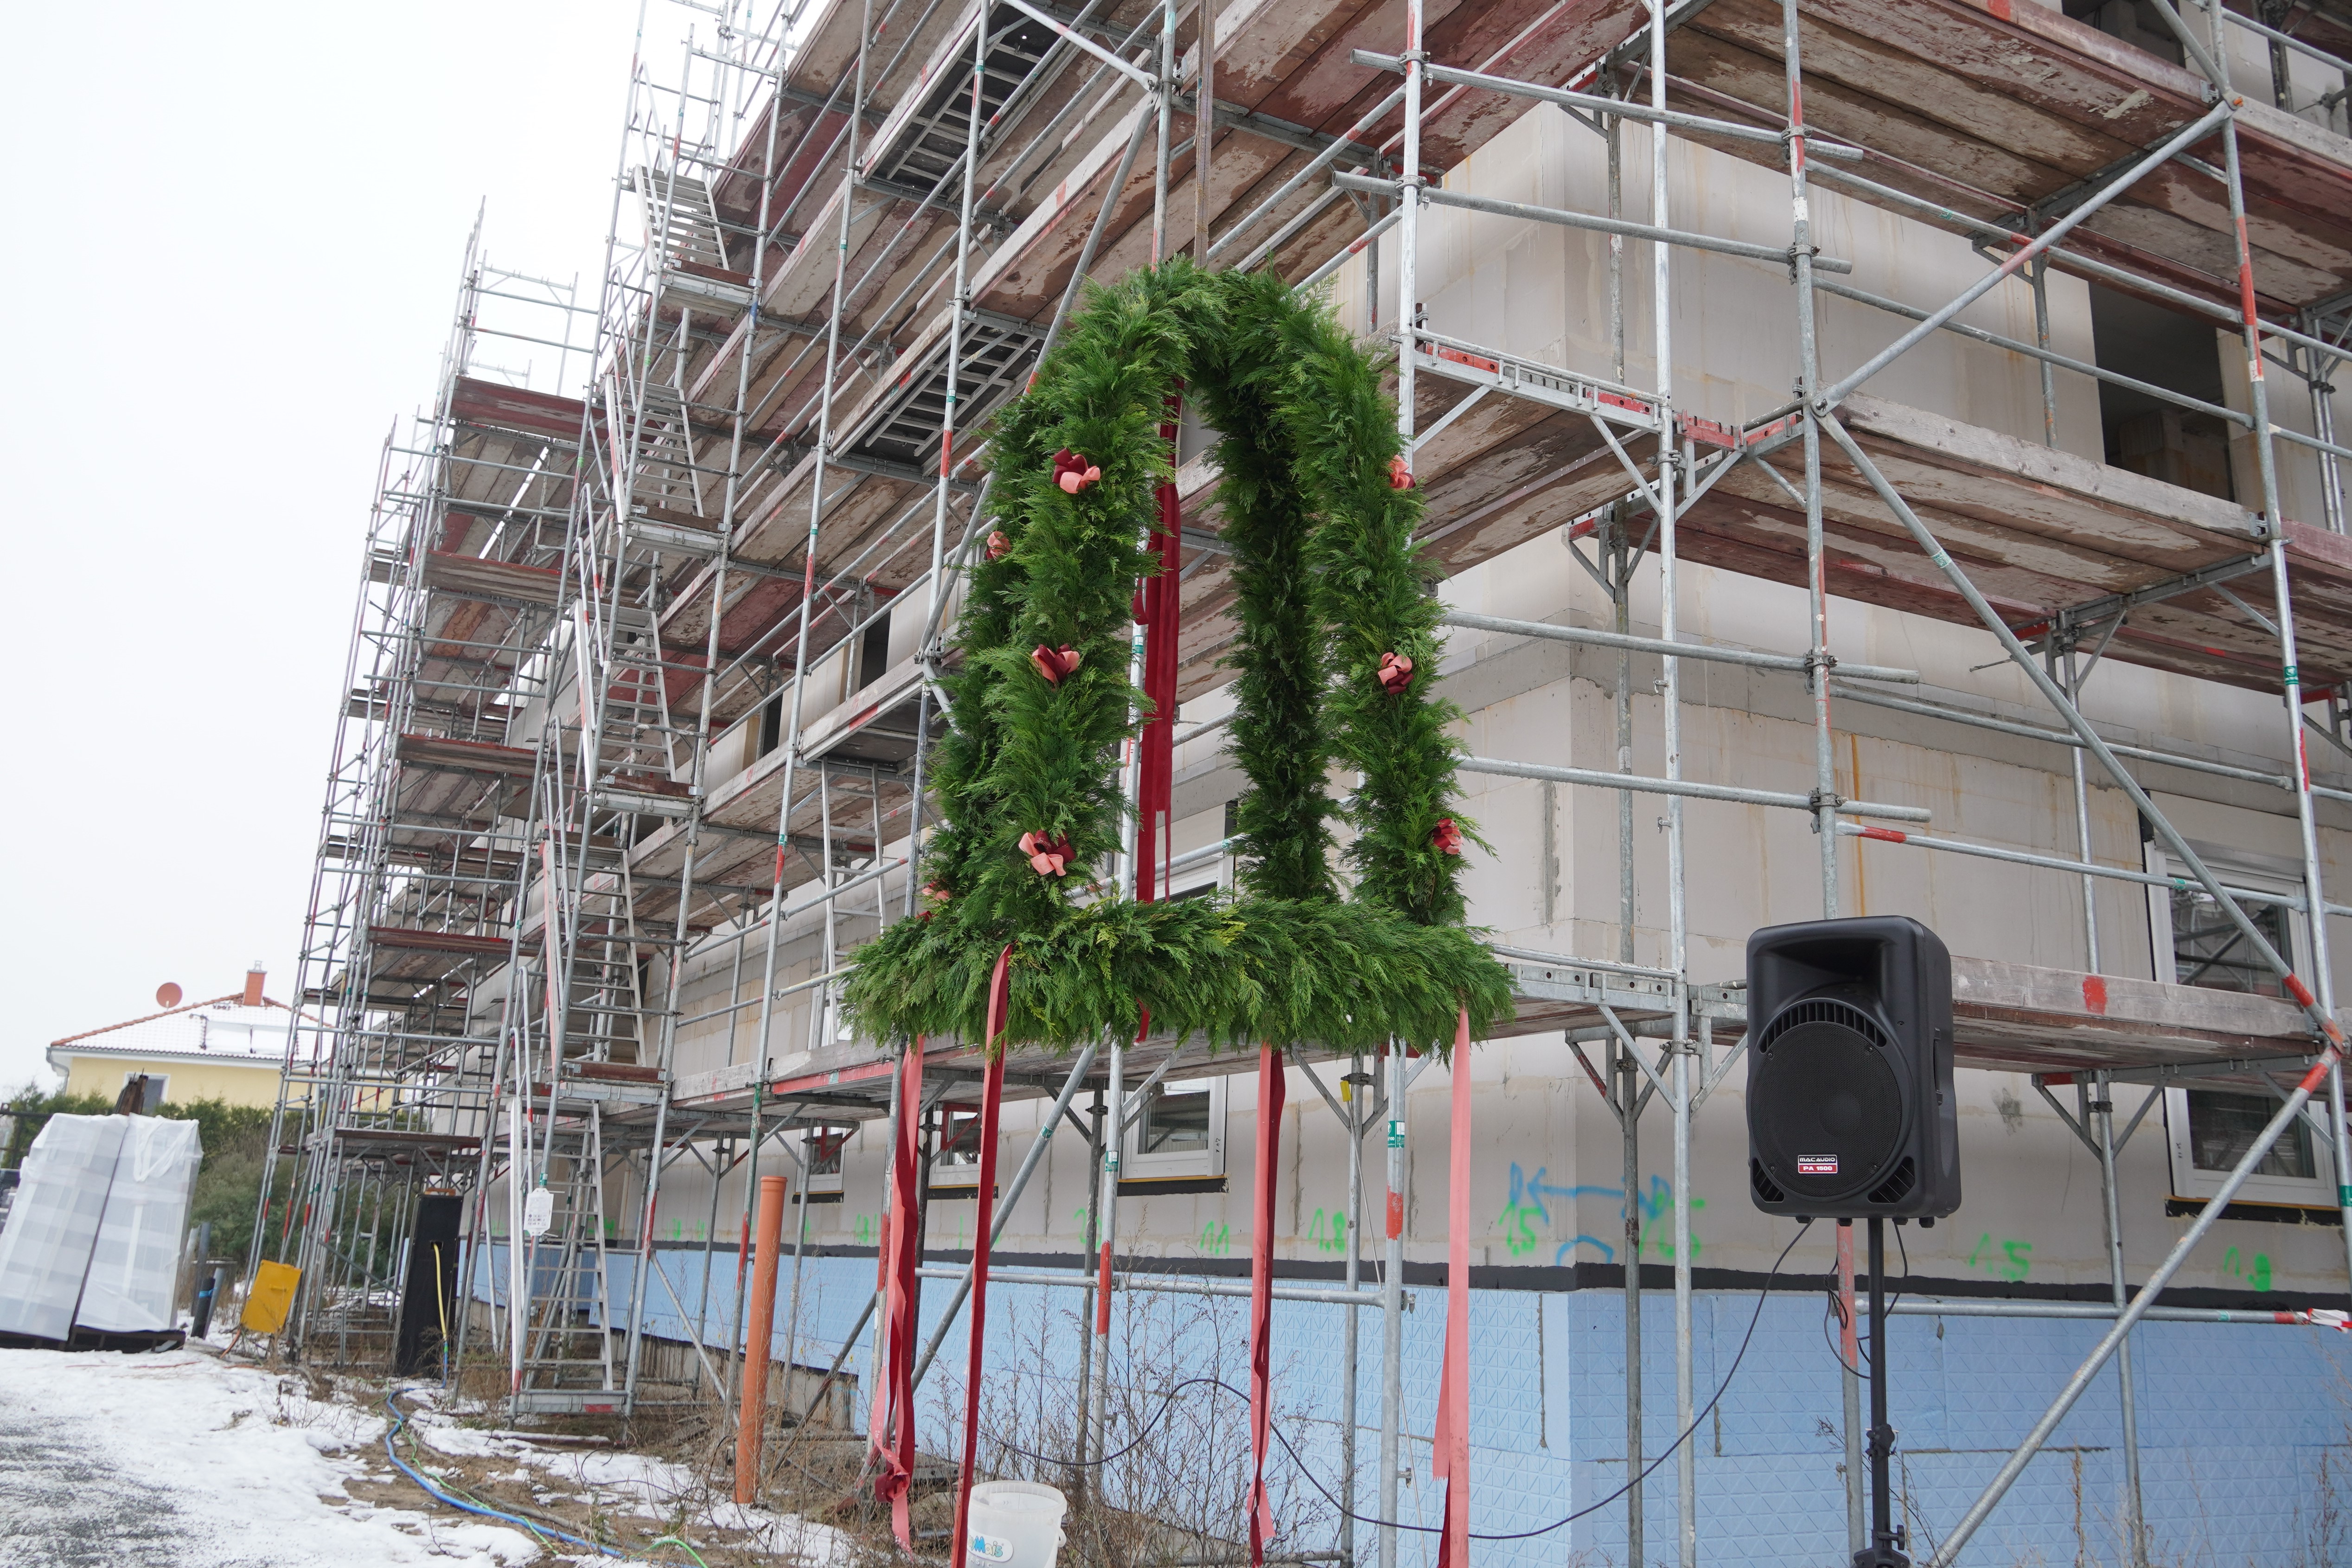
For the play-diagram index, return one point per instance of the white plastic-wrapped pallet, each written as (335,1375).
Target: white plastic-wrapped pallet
(53,1226)
(134,1270)
(93,1240)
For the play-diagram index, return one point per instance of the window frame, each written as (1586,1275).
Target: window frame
(1136,1165)
(2260,873)
(159,1085)
(812,1179)
(952,1169)
(2191,1181)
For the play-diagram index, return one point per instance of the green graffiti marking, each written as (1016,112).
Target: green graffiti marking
(1217,1239)
(1329,1231)
(1657,1223)
(2007,1259)
(2256,1272)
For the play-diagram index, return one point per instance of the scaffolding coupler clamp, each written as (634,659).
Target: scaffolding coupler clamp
(1819,662)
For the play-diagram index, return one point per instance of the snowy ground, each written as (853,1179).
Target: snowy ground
(182,1460)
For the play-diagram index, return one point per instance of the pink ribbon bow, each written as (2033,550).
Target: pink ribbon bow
(1396,672)
(998,544)
(1048,857)
(1053,663)
(1400,476)
(1446,837)
(1073,473)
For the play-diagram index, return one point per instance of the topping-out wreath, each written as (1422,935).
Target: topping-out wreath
(1336,631)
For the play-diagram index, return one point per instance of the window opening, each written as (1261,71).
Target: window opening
(2136,22)
(2145,434)
(873,651)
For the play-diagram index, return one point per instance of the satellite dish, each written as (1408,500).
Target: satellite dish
(167,994)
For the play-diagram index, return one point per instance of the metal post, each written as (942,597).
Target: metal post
(2071,675)
(2315,923)
(1165,108)
(1670,701)
(1114,1135)
(898,1107)
(1351,1096)
(792,739)
(750,1194)
(2041,279)
(1204,126)
(1089,1231)
(1857,1528)
(1881,1436)
(1393,1304)
(2104,1109)
(1801,253)
(2317,370)
(1393,1258)
(1629,1115)
(800,1252)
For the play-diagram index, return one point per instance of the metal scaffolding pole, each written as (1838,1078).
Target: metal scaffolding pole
(1393,1305)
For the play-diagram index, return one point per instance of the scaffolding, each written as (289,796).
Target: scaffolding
(694,703)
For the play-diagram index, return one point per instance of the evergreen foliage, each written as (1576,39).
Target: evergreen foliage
(1328,581)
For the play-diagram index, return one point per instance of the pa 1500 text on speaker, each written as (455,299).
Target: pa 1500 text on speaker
(1851,1112)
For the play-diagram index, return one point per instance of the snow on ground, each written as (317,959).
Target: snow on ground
(184,1460)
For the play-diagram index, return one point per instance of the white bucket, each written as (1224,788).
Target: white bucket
(1015,1524)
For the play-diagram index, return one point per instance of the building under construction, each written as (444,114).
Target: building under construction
(1881,460)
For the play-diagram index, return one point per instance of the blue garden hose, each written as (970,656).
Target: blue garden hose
(399,1419)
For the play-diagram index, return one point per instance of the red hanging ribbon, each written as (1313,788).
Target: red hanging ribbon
(1158,611)
(1270,1086)
(992,1098)
(891,1428)
(1449,1449)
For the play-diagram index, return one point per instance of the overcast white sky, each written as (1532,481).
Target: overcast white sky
(233,241)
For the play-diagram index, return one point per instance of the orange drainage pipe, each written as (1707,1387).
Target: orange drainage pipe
(751,1411)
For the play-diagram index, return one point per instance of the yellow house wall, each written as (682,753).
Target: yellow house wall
(238,1083)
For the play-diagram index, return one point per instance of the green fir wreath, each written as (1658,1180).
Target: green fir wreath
(1338,638)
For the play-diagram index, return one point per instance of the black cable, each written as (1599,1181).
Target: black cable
(1836,1310)
(1834,1313)
(1169,1398)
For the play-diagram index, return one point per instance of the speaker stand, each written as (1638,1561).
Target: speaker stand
(1885,1537)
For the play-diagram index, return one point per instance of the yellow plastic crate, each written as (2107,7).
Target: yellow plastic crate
(272,1297)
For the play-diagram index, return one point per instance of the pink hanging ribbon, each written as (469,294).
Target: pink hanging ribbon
(892,1426)
(991,1100)
(1270,1087)
(1449,1449)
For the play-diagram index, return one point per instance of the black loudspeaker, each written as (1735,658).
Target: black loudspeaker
(1851,1113)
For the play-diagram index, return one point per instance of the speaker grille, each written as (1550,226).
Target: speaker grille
(1825,1108)
(1824,1010)
(1767,1190)
(1897,1186)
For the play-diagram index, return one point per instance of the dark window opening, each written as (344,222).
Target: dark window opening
(874,651)
(2146,433)
(771,723)
(2136,22)
(2222,1127)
